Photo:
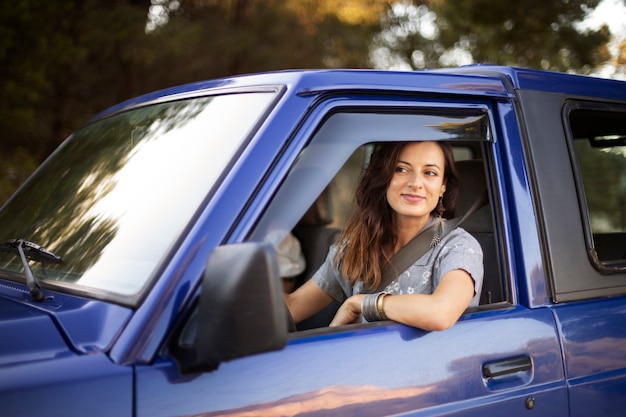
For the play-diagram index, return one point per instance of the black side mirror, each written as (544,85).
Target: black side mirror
(240,311)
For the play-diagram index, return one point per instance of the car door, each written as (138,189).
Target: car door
(501,357)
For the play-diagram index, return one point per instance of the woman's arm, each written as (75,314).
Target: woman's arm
(306,301)
(436,311)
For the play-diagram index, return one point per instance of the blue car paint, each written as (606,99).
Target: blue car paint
(411,373)
(594,345)
(62,319)
(67,386)
(82,356)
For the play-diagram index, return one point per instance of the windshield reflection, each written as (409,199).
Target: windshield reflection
(116,195)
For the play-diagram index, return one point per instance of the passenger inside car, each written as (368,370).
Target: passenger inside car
(320,227)
(400,191)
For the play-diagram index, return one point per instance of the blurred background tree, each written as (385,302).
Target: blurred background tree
(62,62)
(528,33)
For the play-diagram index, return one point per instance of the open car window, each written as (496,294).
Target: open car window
(317,197)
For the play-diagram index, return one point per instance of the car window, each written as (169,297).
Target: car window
(98,214)
(598,144)
(317,197)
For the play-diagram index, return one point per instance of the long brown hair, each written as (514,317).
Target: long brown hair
(369,230)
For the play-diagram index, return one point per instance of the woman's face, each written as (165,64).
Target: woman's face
(417,182)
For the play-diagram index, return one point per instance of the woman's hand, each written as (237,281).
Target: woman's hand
(349,312)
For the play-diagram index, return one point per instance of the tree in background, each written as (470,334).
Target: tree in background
(62,62)
(207,39)
(530,33)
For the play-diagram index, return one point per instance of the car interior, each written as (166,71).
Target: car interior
(319,228)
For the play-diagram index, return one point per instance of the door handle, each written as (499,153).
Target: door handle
(507,366)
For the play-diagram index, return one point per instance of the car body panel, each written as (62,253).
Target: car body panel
(594,347)
(370,371)
(56,326)
(72,385)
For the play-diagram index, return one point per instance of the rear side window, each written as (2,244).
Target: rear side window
(598,147)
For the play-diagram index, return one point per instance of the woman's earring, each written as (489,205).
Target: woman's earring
(440,208)
(439,226)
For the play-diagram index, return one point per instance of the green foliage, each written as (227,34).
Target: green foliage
(527,33)
(60,62)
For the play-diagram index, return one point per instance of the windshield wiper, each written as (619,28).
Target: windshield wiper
(28,250)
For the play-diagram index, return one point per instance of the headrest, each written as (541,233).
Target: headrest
(473,186)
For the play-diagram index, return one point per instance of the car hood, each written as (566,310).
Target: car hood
(62,325)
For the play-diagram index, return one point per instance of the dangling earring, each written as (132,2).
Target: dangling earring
(439,226)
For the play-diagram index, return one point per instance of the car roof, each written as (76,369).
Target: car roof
(476,80)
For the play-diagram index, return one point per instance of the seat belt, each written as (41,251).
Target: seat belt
(420,244)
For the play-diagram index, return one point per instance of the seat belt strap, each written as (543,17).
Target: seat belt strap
(420,244)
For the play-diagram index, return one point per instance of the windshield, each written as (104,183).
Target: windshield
(118,193)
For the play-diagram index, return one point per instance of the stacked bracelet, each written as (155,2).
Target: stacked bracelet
(372,307)
(380,308)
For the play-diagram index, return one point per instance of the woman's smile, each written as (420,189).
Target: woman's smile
(413,198)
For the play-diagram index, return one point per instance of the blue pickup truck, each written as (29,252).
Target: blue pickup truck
(139,275)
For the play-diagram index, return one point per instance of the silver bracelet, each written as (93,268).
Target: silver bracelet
(370,307)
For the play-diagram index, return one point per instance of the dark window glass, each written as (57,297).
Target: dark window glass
(599,148)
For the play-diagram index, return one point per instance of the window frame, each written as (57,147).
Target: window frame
(312,129)
(605,267)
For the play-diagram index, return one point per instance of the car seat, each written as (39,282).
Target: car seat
(480,225)
(316,235)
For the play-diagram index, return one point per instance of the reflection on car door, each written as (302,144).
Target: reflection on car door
(479,364)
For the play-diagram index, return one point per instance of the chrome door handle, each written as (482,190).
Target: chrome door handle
(507,366)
